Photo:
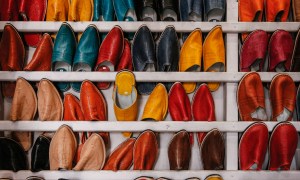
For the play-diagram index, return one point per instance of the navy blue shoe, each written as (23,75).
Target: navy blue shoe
(214,10)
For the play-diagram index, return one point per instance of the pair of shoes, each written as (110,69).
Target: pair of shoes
(212,151)
(114,54)
(12,60)
(254,144)
(199,10)
(213,58)
(125,98)
(68,56)
(142,152)
(91,107)
(146,58)
(26,103)
(63,148)
(254,49)
(251,99)
(32,10)
(202,108)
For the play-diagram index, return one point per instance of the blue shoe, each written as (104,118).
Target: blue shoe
(103,11)
(63,52)
(214,10)
(86,53)
(168,10)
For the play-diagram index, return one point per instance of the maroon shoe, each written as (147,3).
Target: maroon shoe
(9,10)
(110,53)
(281,47)
(126,59)
(253,52)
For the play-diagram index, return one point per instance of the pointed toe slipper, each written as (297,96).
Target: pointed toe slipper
(214,10)
(296,54)
(40,154)
(277,10)
(72,108)
(126,58)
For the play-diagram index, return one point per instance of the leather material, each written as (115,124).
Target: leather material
(58,10)
(250,11)
(282,146)
(296,54)
(179,151)
(63,52)
(12,55)
(126,58)
(296,10)
(23,108)
(9,10)
(145,151)
(121,158)
(125,98)
(203,107)
(81,10)
(254,51)
(167,52)
(191,10)
(110,53)
(190,57)
(122,7)
(40,154)
(298,103)
(180,105)
(253,147)
(94,106)
(72,108)
(144,178)
(93,153)
(32,10)
(12,155)
(214,58)
(282,96)
(214,177)
(168,10)
(103,10)
(62,149)
(86,52)
(214,10)
(213,150)
(143,56)
(281,50)
(156,107)
(250,96)
(146,10)
(277,10)
(41,59)
(50,105)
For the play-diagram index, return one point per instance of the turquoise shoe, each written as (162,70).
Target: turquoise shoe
(125,11)
(86,53)
(63,52)
(103,11)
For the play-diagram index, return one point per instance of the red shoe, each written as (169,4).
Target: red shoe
(277,10)
(282,146)
(110,53)
(126,59)
(9,10)
(72,109)
(253,146)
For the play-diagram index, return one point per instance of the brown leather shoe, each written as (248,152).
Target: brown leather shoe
(93,153)
(12,55)
(145,151)
(24,107)
(282,97)
(50,105)
(213,150)
(251,98)
(121,158)
(179,151)
(62,149)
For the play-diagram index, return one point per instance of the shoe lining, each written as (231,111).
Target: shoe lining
(149,14)
(149,67)
(62,66)
(284,115)
(253,167)
(256,65)
(217,67)
(169,15)
(125,101)
(82,67)
(215,15)
(107,64)
(130,15)
(194,17)
(280,67)
(260,113)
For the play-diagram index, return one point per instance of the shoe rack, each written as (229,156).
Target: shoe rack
(225,102)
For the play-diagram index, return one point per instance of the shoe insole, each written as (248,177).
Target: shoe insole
(215,15)
(130,15)
(149,67)
(81,67)
(62,66)
(169,15)
(256,65)
(253,167)
(107,64)
(259,113)
(149,14)
(217,67)
(125,101)
(193,68)
(280,67)
(284,115)
(194,17)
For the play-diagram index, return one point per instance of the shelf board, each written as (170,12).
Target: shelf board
(135,126)
(159,26)
(231,77)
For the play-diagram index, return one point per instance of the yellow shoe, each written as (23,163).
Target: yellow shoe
(190,57)
(214,54)
(125,98)
(156,107)
(214,177)
(81,10)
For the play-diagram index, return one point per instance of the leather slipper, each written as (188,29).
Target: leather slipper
(126,58)
(72,108)
(251,98)
(253,147)
(253,51)
(122,156)
(147,10)
(277,10)
(213,177)
(282,97)
(214,10)
(168,10)
(9,10)
(296,10)
(282,146)
(296,54)
(40,154)
(103,10)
